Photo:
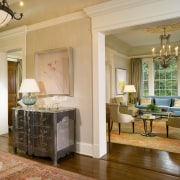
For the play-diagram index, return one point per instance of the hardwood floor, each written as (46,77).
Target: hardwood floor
(122,162)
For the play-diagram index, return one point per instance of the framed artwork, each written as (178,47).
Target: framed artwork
(120,80)
(54,71)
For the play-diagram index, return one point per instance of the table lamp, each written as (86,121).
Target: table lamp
(129,89)
(29,86)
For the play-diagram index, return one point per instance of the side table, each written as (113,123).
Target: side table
(149,117)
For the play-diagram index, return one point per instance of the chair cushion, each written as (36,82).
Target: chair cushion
(162,102)
(145,101)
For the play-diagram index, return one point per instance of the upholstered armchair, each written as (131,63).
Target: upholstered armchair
(116,116)
(173,122)
(125,108)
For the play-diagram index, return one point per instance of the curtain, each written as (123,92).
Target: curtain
(136,76)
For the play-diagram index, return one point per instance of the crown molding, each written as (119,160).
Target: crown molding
(115,6)
(13,32)
(59,20)
(44,24)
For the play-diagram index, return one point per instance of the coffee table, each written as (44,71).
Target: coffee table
(151,118)
(159,113)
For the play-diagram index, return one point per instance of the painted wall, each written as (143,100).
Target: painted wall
(114,60)
(75,34)
(3,94)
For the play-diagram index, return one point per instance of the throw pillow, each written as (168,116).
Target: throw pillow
(145,101)
(162,102)
(177,102)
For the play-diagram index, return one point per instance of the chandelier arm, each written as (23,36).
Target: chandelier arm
(18,18)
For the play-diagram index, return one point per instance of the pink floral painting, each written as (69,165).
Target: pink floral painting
(52,71)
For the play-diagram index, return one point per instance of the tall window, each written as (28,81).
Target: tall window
(164,79)
(145,78)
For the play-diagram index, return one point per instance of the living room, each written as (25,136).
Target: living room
(116,60)
(87,91)
(84,31)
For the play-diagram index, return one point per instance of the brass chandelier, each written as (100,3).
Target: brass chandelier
(165,54)
(6,14)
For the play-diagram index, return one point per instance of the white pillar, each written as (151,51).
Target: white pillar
(3,94)
(99,113)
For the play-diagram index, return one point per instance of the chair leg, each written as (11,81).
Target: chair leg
(111,125)
(167,129)
(119,128)
(133,126)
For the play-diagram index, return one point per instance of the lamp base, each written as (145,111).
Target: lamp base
(29,100)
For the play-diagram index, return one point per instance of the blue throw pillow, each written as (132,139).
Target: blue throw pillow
(162,102)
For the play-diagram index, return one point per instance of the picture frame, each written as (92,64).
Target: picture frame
(120,75)
(54,71)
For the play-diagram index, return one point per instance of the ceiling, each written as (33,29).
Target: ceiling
(36,11)
(39,10)
(149,34)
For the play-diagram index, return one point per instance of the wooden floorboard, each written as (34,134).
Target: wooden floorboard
(121,162)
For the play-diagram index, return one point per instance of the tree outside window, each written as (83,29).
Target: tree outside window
(165,79)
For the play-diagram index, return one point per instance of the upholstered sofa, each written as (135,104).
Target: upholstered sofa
(165,103)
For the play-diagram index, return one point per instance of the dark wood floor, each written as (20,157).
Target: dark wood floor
(122,163)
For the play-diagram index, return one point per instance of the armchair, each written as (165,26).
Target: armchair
(173,122)
(125,108)
(129,109)
(118,117)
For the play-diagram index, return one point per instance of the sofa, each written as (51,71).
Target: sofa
(165,103)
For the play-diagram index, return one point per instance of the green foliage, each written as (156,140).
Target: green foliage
(152,107)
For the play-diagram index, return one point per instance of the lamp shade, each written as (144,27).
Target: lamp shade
(29,86)
(129,88)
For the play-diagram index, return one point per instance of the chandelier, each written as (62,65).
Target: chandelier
(6,14)
(165,54)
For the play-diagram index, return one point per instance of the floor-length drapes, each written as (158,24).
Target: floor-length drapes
(136,76)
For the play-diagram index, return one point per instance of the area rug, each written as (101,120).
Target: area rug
(13,167)
(160,142)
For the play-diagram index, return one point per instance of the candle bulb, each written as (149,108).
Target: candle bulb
(176,51)
(169,49)
(153,50)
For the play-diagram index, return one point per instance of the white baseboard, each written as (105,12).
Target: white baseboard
(84,148)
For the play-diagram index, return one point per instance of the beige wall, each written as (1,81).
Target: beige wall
(114,59)
(75,34)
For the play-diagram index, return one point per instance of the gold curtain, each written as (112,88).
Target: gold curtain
(136,76)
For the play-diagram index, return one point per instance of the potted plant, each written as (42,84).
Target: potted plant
(152,107)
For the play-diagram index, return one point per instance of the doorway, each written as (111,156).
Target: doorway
(14,80)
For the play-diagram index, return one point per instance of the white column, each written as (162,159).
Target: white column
(99,114)
(3,94)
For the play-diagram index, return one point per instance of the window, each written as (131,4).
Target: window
(164,79)
(145,78)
